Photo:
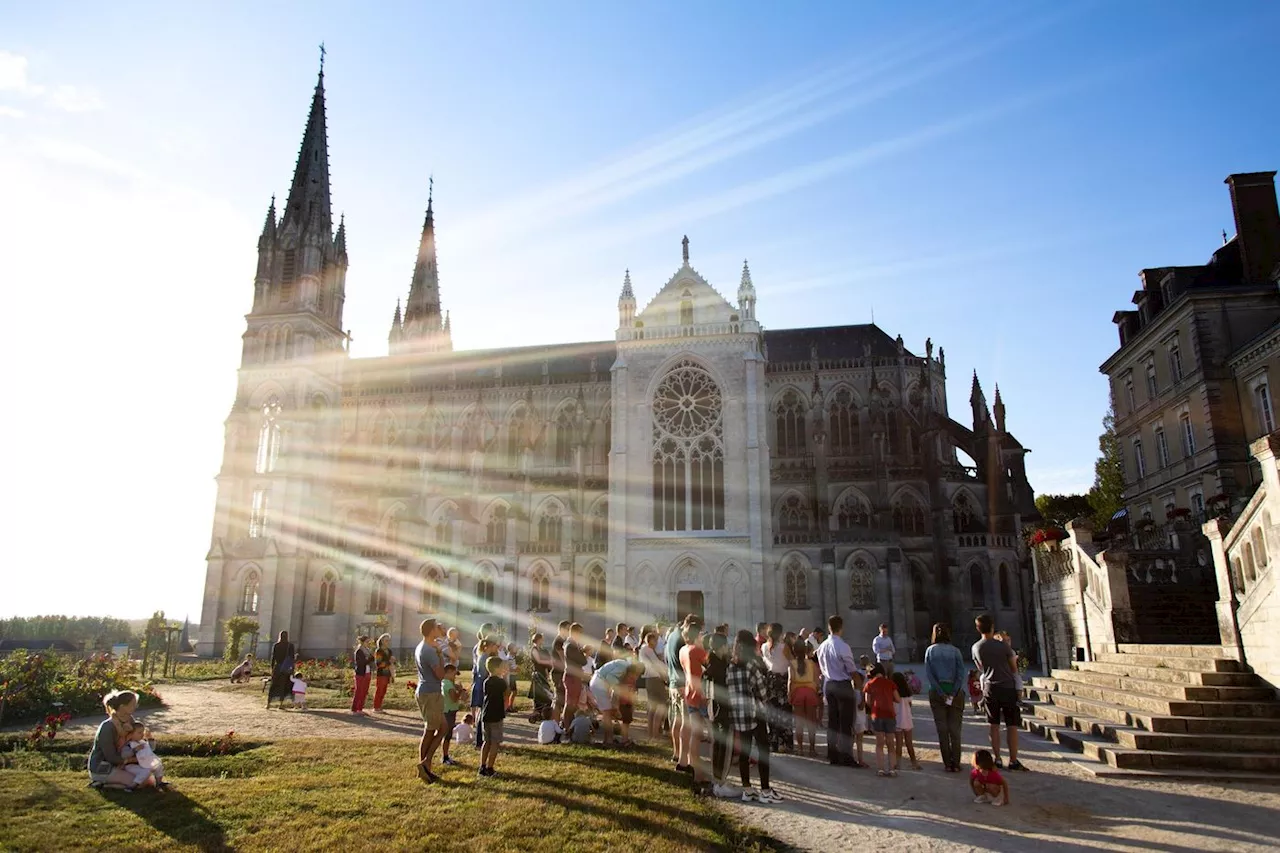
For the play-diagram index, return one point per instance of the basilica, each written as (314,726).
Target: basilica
(696,462)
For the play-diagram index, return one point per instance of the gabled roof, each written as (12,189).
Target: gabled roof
(831,342)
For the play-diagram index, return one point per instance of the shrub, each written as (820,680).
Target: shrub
(34,685)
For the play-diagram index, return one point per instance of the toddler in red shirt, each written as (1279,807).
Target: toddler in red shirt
(882,708)
(987,783)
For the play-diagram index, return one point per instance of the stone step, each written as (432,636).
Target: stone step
(1172,662)
(1166,705)
(1155,687)
(1176,651)
(1056,706)
(1151,759)
(1174,676)
(1130,737)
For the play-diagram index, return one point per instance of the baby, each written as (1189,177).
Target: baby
(299,691)
(986,781)
(464,731)
(140,759)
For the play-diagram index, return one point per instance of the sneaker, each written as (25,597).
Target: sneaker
(449,760)
(999,761)
(724,792)
(750,795)
(894,773)
(1018,765)
(883,773)
(982,798)
(998,800)
(484,771)
(769,795)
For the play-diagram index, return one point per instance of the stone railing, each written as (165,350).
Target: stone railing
(538,547)
(984,540)
(692,330)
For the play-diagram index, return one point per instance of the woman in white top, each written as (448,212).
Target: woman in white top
(655,683)
(777,659)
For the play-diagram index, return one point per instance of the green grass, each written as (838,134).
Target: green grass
(348,794)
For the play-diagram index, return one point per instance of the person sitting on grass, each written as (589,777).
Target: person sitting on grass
(299,691)
(985,780)
(613,686)
(580,728)
(465,731)
(549,732)
(494,712)
(452,694)
(243,670)
(107,767)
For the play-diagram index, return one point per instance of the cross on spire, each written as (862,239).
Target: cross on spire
(685,244)
(322,52)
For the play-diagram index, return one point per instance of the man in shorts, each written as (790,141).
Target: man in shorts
(675,695)
(430,699)
(996,665)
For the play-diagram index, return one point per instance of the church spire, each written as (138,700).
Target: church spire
(340,241)
(746,294)
(308,203)
(626,303)
(424,291)
(269,225)
(998,408)
(397,328)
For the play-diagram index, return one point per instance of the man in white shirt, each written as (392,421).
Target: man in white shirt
(882,648)
(835,660)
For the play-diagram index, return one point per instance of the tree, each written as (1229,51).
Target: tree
(99,631)
(1057,510)
(237,627)
(1107,494)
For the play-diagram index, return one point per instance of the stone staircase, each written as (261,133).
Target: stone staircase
(1165,710)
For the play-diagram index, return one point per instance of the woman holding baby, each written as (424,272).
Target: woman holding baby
(122,755)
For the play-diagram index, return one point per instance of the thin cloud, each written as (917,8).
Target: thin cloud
(65,97)
(11,112)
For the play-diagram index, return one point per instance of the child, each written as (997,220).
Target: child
(906,725)
(479,672)
(985,780)
(494,712)
(299,691)
(549,732)
(454,693)
(243,671)
(882,707)
(465,730)
(140,760)
(580,729)
(512,658)
(975,689)
(859,718)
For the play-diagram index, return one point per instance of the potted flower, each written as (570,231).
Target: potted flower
(1048,536)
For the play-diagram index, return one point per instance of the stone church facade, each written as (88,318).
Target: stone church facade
(696,462)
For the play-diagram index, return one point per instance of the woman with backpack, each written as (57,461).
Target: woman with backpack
(283,656)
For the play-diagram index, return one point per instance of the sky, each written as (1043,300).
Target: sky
(992,176)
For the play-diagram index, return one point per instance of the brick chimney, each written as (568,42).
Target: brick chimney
(1253,200)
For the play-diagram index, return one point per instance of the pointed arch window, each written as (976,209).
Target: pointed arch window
(484,591)
(515,436)
(328,593)
(962,514)
(789,424)
(550,524)
(843,425)
(686,312)
(908,516)
(258,514)
(378,596)
(862,585)
(269,437)
(444,530)
(564,439)
(394,527)
(1006,591)
(431,582)
(495,529)
(891,434)
(853,512)
(249,594)
(688,451)
(540,591)
(793,517)
(796,585)
(595,589)
(599,529)
(977,588)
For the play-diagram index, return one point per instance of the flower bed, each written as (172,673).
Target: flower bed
(32,686)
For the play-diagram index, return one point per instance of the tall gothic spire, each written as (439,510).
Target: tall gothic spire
(308,205)
(424,291)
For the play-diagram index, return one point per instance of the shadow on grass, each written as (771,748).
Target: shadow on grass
(174,814)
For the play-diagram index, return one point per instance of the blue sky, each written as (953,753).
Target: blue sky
(992,176)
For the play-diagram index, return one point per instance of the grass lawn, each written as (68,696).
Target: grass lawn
(351,794)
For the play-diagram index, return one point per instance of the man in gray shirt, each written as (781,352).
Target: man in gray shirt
(995,662)
(430,699)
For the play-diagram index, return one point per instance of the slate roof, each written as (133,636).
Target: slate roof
(786,345)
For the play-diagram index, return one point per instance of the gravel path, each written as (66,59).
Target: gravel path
(1057,807)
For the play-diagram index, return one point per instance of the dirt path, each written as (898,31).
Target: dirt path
(1057,807)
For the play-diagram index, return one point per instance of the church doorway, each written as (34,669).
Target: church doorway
(689,601)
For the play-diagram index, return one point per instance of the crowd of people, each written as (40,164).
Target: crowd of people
(722,696)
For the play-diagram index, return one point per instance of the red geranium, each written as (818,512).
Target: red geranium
(1048,534)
